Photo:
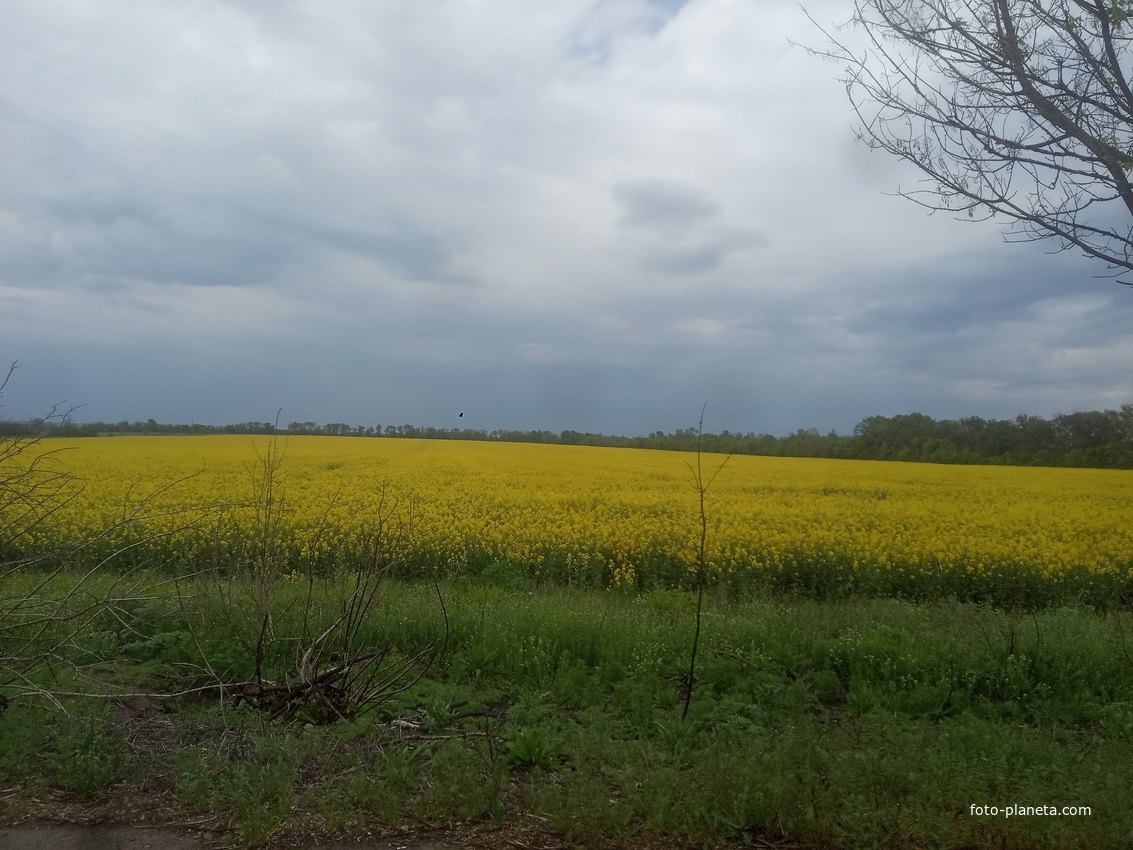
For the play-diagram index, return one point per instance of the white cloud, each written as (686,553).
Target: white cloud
(630,201)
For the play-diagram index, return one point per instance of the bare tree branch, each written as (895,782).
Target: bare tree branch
(1013,108)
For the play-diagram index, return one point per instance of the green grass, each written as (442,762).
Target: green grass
(854,723)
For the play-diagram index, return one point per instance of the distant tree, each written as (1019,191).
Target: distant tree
(1018,108)
(1035,438)
(1088,431)
(570,438)
(805,442)
(874,437)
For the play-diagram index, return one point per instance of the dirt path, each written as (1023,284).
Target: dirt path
(95,838)
(57,837)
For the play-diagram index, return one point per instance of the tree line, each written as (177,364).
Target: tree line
(1096,438)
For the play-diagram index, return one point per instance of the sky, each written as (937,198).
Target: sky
(592,215)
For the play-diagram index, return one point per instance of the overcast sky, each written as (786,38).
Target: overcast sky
(578,214)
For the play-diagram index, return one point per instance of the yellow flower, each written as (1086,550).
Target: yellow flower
(623,510)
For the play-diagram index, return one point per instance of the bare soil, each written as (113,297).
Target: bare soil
(77,837)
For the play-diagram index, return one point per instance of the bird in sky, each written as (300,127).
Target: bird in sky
(462,414)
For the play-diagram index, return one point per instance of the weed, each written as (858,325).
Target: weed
(460,785)
(87,757)
(24,735)
(855,723)
(401,767)
(534,747)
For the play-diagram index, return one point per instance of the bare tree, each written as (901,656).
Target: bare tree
(1015,108)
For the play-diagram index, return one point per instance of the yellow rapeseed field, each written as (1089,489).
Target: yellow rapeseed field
(618,513)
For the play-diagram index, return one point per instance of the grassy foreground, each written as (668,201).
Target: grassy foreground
(851,723)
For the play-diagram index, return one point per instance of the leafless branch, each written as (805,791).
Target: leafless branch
(1013,108)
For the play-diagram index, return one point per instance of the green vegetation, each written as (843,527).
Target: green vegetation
(265,699)
(855,723)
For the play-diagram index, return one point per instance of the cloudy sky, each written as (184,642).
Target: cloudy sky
(583,214)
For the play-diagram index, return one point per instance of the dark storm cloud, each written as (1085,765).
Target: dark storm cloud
(993,303)
(108,241)
(110,234)
(684,224)
(1036,335)
(207,246)
(965,294)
